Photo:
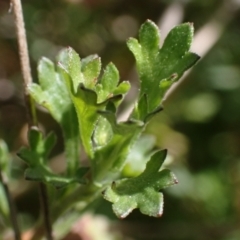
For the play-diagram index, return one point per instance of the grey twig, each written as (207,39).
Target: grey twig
(24,60)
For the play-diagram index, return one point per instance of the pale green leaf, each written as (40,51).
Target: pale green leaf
(91,95)
(52,94)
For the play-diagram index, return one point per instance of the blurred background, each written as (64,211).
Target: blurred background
(200,124)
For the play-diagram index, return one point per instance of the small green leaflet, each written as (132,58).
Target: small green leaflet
(142,191)
(158,68)
(36,156)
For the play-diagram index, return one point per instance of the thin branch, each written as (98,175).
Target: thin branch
(24,60)
(13,214)
(30,107)
(46,212)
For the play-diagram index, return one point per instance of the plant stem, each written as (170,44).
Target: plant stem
(13,214)
(46,212)
(24,60)
(88,194)
(30,107)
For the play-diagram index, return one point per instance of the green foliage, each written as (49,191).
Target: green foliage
(142,191)
(4,158)
(138,156)
(89,95)
(52,94)
(84,99)
(159,68)
(36,156)
(111,159)
(4,171)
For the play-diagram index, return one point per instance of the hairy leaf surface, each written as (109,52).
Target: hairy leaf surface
(142,191)
(158,68)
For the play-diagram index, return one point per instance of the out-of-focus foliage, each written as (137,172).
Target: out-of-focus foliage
(199,125)
(4,173)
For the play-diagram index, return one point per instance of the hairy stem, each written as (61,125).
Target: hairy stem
(13,214)
(30,108)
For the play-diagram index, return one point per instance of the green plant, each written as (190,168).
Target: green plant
(84,100)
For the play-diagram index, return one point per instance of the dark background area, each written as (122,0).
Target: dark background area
(200,124)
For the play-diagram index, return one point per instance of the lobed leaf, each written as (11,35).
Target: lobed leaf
(142,191)
(36,157)
(155,65)
(85,102)
(90,95)
(52,94)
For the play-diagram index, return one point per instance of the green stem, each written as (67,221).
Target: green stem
(30,107)
(87,193)
(71,142)
(46,213)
